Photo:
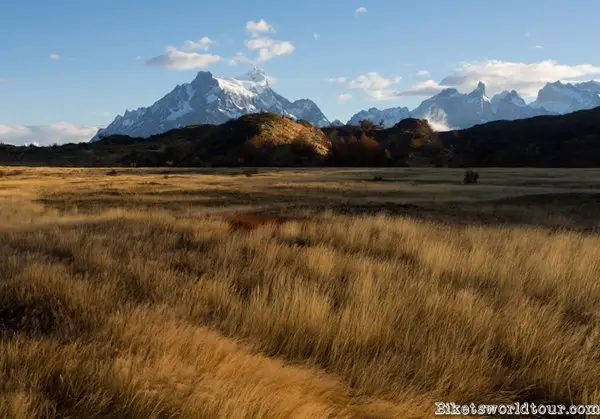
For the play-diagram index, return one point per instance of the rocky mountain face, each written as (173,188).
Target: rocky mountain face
(212,100)
(460,110)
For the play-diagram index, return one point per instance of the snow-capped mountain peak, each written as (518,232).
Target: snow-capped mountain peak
(212,100)
(389,117)
(479,91)
(507,98)
(566,97)
(589,86)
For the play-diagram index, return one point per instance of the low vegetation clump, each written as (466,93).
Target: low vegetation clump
(471,177)
(134,311)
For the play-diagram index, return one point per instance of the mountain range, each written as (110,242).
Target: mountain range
(215,100)
(463,110)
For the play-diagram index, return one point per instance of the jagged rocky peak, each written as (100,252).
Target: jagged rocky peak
(479,90)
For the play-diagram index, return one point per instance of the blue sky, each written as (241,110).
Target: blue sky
(79,63)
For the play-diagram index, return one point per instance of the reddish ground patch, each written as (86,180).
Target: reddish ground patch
(252,221)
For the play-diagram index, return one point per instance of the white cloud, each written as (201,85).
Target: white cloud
(373,80)
(57,133)
(527,79)
(344,97)
(539,47)
(316,35)
(422,73)
(437,119)
(269,48)
(13,130)
(174,59)
(424,88)
(360,11)
(375,86)
(262,26)
(337,80)
(202,44)
(54,57)
(240,58)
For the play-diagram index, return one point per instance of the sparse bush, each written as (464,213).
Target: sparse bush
(169,163)
(111,172)
(471,177)
(133,164)
(377,178)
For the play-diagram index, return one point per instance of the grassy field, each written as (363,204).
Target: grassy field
(142,293)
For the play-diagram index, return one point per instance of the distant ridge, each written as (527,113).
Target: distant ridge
(268,139)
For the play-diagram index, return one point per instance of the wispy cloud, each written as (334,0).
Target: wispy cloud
(539,47)
(337,80)
(375,86)
(5,80)
(174,59)
(54,57)
(44,135)
(422,73)
(186,57)
(267,47)
(316,35)
(344,97)
(424,88)
(437,119)
(240,58)
(202,44)
(262,26)
(360,11)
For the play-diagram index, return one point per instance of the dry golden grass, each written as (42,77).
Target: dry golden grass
(132,296)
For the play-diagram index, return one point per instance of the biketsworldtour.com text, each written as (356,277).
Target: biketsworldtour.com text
(472,409)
